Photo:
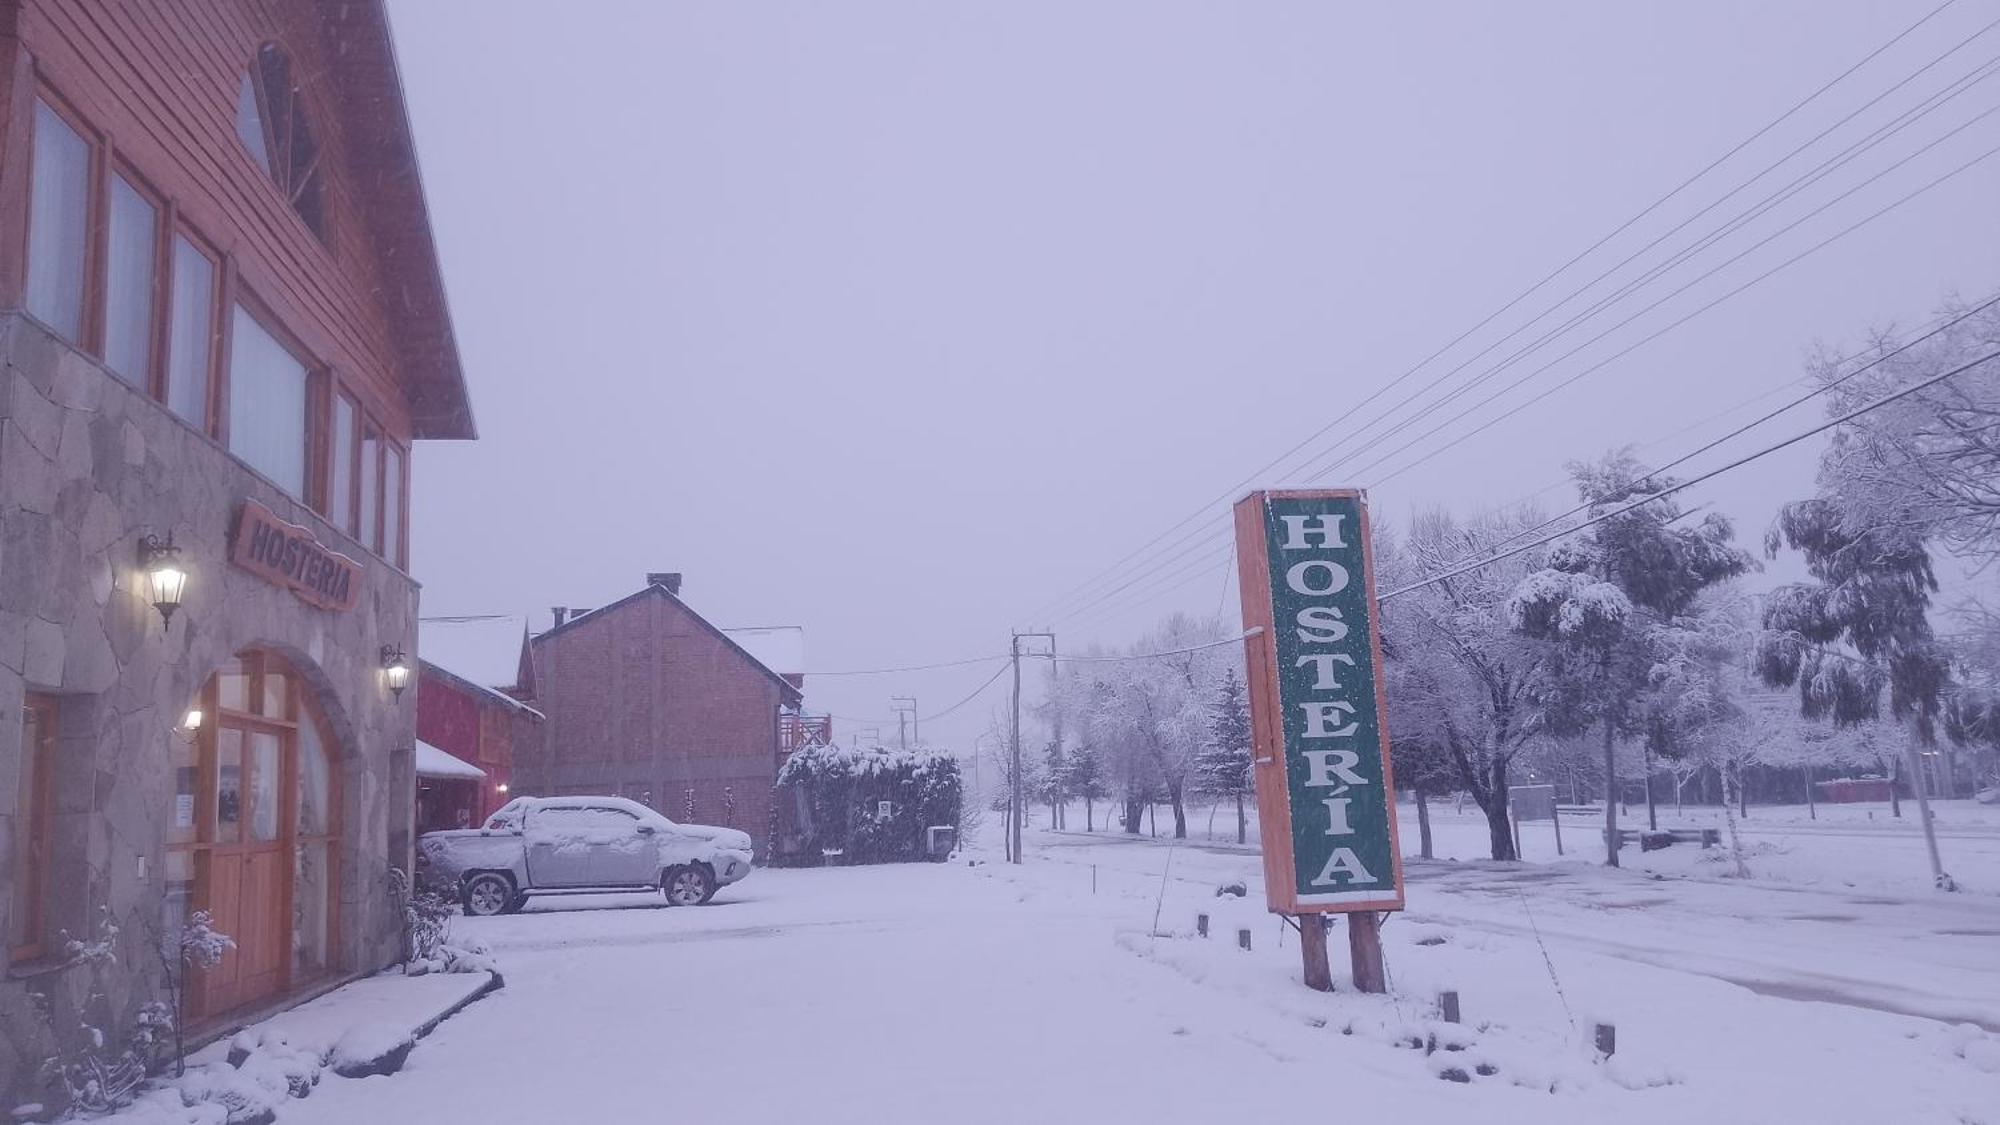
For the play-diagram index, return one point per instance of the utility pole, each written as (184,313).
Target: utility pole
(1057,811)
(1016,808)
(905,707)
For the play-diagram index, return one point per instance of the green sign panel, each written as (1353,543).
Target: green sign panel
(1321,725)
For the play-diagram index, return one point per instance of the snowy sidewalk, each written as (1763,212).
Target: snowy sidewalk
(387,1006)
(365,1027)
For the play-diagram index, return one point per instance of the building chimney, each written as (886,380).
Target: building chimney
(561,611)
(671,580)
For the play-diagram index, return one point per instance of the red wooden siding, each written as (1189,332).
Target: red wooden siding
(159,83)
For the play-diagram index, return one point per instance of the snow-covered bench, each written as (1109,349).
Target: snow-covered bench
(1652,840)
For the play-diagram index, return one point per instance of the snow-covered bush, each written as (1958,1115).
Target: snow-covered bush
(427,910)
(869,806)
(90,1072)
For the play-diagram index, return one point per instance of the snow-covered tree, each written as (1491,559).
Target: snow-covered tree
(1054,780)
(1620,604)
(1086,782)
(1460,677)
(1145,711)
(1861,626)
(1222,768)
(1928,464)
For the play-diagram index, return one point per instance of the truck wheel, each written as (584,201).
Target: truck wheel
(487,895)
(688,886)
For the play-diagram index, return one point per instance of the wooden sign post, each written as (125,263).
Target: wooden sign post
(1320,744)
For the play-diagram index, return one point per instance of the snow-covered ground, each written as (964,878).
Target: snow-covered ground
(1862,847)
(986,993)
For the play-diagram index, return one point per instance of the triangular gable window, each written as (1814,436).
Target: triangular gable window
(272,123)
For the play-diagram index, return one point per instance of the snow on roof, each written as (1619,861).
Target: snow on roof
(781,648)
(484,649)
(433,762)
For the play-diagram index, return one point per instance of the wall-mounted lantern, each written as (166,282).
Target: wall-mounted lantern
(395,669)
(190,727)
(500,788)
(166,579)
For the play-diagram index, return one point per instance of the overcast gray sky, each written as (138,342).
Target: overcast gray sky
(900,320)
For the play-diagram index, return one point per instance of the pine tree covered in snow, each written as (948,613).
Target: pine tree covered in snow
(1053,784)
(1086,782)
(1222,768)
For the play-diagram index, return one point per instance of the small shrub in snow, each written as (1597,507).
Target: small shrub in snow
(87,1072)
(427,946)
(474,956)
(426,911)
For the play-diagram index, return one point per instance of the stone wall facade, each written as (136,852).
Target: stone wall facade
(88,466)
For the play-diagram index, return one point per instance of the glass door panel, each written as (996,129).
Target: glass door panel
(228,825)
(265,747)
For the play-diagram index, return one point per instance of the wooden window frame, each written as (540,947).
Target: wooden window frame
(373,537)
(155,382)
(338,393)
(402,512)
(319,377)
(278,172)
(90,323)
(40,833)
(228,290)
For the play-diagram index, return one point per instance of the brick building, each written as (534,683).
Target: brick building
(470,725)
(473,725)
(221,327)
(648,700)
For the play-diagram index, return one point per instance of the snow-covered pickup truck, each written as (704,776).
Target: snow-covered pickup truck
(582,845)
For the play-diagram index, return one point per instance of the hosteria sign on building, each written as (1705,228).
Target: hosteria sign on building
(285,554)
(1324,791)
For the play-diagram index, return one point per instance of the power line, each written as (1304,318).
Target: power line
(1228,494)
(1181,575)
(1194,541)
(911,667)
(1200,569)
(1691,482)
(1245,635)
(1739,221)
(1824,388)
(1760,396)
(1931,331)
(976,692)
(1663,330)
(1191,545)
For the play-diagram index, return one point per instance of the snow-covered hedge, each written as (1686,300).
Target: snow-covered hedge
(840,797)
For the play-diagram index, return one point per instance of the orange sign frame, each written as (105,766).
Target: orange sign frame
(1268,749)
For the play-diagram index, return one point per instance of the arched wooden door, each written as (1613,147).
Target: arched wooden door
(253,836)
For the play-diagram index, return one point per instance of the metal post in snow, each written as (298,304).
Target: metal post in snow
(1014,741)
